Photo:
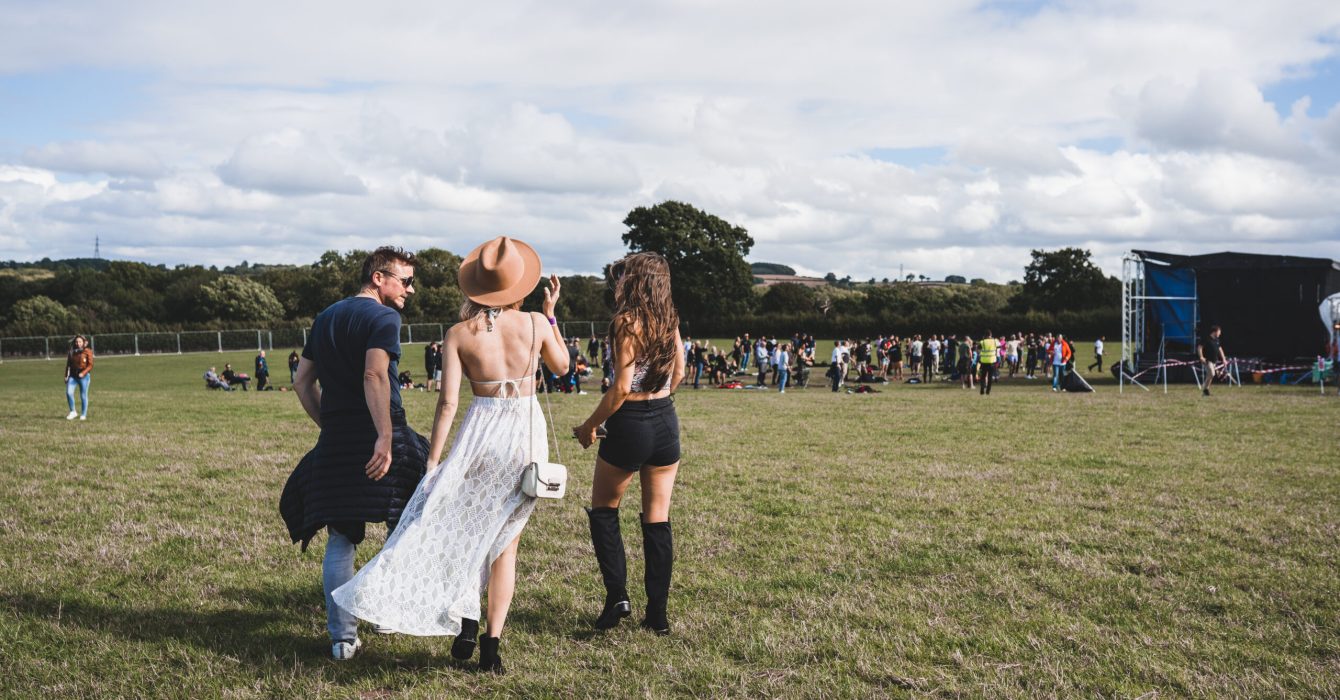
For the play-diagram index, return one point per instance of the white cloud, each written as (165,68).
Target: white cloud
(95,157)
(426,123)
(287,162)
(1218,112)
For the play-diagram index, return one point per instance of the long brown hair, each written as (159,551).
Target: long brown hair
(645,313)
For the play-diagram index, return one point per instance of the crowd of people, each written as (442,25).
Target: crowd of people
(783,362)
(779,363)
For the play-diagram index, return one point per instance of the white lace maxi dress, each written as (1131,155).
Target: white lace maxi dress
(459,520)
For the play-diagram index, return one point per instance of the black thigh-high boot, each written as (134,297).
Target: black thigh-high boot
(608,544)
(659,551)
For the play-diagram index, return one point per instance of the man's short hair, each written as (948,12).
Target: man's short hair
(381,259)
(1215,329)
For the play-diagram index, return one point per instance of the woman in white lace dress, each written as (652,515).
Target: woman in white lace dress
(460,529)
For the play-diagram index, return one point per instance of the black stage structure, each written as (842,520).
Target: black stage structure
(1266,304)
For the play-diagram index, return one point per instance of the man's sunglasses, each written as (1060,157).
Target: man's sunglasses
(406,281)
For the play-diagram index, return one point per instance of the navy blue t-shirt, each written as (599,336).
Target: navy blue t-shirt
(341,336)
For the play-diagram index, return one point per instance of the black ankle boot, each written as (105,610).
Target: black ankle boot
(464,645)
(608,544)
(658,548)
(489,660)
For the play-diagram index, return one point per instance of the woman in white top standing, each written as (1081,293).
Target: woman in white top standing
(461,527)
(642,435)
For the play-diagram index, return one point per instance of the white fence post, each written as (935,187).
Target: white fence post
(220,335)
(47,342)
(137,345)
(179,343)
(411,333)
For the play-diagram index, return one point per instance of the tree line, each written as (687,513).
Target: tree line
(713,288)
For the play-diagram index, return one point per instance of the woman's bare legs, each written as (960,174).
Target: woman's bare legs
(502,584)
(609,484)
(657,485)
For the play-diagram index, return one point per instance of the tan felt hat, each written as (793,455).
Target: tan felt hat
(499,272)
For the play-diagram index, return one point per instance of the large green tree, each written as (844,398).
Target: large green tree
(1066,280)
(39,315)
(233,298)
(788,298)
(709,276)
(437,296)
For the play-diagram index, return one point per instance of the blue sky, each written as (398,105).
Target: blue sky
(67,103)
(1319,82)
(946,138)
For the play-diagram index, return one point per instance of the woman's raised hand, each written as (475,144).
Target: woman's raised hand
(551,296)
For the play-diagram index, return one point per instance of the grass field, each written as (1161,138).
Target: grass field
(923,541)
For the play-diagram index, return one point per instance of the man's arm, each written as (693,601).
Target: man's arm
(377,393)
(309,392)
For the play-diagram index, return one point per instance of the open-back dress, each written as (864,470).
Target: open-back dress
(459,520)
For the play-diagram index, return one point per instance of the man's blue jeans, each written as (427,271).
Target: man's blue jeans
(1058,376)
(82,383)
(336,569)
(782,376)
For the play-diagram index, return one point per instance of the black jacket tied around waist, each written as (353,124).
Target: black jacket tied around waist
(330,488)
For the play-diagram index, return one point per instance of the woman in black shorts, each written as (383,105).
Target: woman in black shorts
(642,435)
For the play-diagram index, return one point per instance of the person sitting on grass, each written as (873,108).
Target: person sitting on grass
(233,378)
(213,381)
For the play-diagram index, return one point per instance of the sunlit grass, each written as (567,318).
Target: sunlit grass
(920,541)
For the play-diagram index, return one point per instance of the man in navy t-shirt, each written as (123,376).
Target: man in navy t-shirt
(367,461)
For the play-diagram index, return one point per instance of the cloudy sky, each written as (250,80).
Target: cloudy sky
(947,137)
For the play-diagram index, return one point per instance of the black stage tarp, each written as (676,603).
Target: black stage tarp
(1266,304)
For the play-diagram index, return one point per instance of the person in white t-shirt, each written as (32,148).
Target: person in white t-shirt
(782,361)
(838,364)
(1098,354)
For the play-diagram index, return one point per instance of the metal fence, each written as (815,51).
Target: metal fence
(177,343)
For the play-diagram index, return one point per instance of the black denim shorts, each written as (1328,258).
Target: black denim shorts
(642,434)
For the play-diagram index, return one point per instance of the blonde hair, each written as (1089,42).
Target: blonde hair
(471,311)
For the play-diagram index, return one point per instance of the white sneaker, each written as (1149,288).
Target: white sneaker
(71,415)
(83,417)
(343,651)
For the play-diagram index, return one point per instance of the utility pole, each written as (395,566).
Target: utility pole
(97,247)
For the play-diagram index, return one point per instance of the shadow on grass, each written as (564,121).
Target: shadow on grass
(260,631)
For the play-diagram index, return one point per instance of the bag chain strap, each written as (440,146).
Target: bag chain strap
(530,367)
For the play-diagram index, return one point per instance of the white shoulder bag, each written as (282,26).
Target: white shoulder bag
(542,479)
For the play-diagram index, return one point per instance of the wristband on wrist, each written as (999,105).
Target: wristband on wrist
(553,321)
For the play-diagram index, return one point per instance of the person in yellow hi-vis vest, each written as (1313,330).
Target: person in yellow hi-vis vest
(986,358)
